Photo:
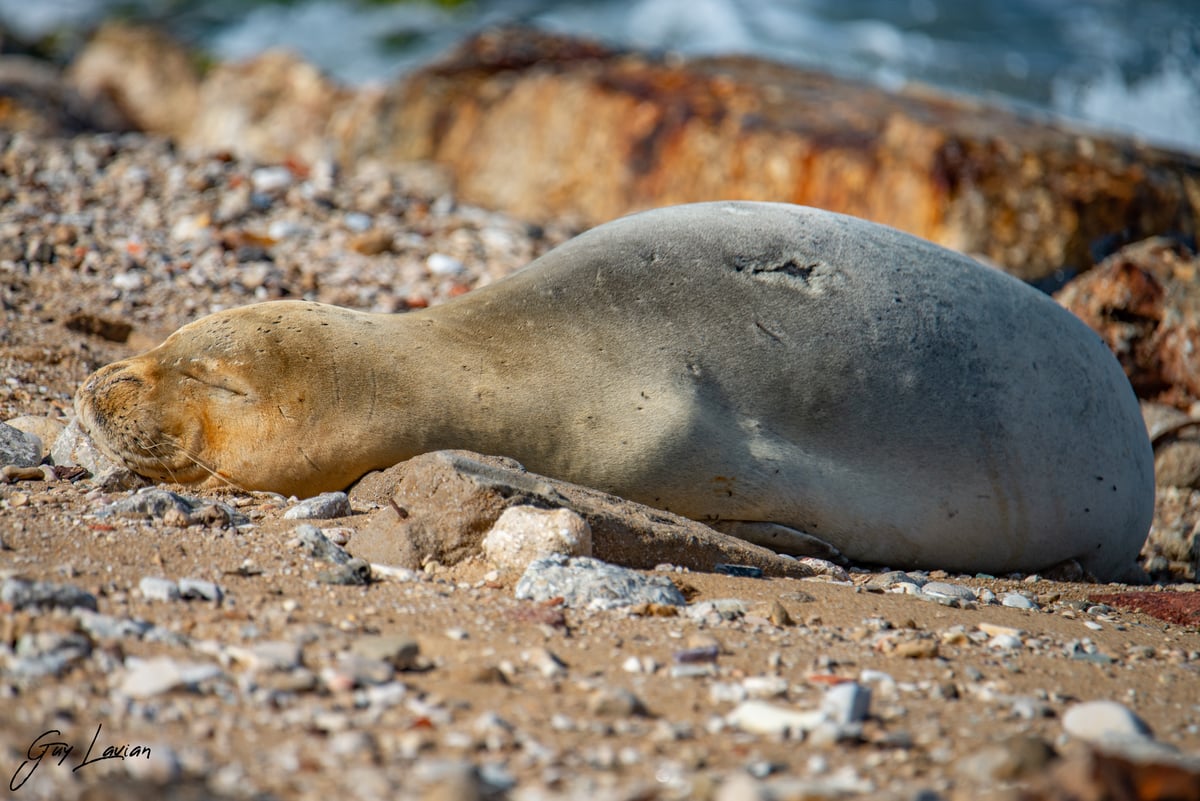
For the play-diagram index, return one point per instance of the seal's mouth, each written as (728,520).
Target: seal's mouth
(115,411)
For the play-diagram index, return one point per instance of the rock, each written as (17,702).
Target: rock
(525,533)
(23,594)
(1016,600)
(1173,545)
(47,653)
(318,546)
(1097,774)
(1017,757)
(1144,301)
(154,588)
(18,448)
(146,678)
(440,505)
(149,76)
(846,703)
(356,572)
(199,589)
(1176,439)
(761,717)
(41,103)
(402,653)
(615,702)
(271,108)
(742,571)
(546,662)
(325,506)
(942,589)
(547,127)
(46,429)
(107,627)
(103,327)
(74,447)
(153,503)
(585,582)
(441,264)
(720,608)
(1101,721)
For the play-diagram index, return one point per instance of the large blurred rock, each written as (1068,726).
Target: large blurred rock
(551,127)
(36,100)
(150,77)
(546,127)
(1145,302)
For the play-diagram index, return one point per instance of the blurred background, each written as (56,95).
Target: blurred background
(1127,65)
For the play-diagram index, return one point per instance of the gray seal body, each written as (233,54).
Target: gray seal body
(767,362)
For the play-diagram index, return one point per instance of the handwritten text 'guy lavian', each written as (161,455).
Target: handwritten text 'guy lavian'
(45,746)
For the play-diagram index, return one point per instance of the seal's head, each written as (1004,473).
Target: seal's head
(253,398)
(170,414)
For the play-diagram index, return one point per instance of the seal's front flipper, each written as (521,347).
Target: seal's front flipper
(780,538)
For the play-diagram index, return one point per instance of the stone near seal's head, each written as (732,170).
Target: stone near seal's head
(797,377)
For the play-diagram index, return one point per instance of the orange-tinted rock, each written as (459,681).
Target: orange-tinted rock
(275,108)
(153,80)
(551,127)
(1144,301)
(547,127)
(34,99)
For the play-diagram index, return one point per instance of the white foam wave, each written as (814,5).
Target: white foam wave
(1163,108)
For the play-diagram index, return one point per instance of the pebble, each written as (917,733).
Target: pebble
(402,653)
(524,533)
(441,264)
(765,686)
(325,506)
(314,542)
(46,429)
(583,582)
(742,571)
(272,655)
(894,580)
(846,703)
(761,717)
(943,589)
(546,662)
(615,702)
(1016,600)
(74,447)
(721,608)
(1100,721)
(1013,758)
(145,678)
(356,572)
(152,503)
(107,627)
(271,179)
(47,653)
(823,567)
(1006,642)
(352,670)
(357,222)
(155,588)
(199,589)
(18,448)
(24,594)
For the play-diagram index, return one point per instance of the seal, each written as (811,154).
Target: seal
(795,377)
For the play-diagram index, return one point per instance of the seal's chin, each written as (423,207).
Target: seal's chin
(116,407)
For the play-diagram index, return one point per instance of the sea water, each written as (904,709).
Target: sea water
(1125,65)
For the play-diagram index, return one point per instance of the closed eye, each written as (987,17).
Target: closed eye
(218,382)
